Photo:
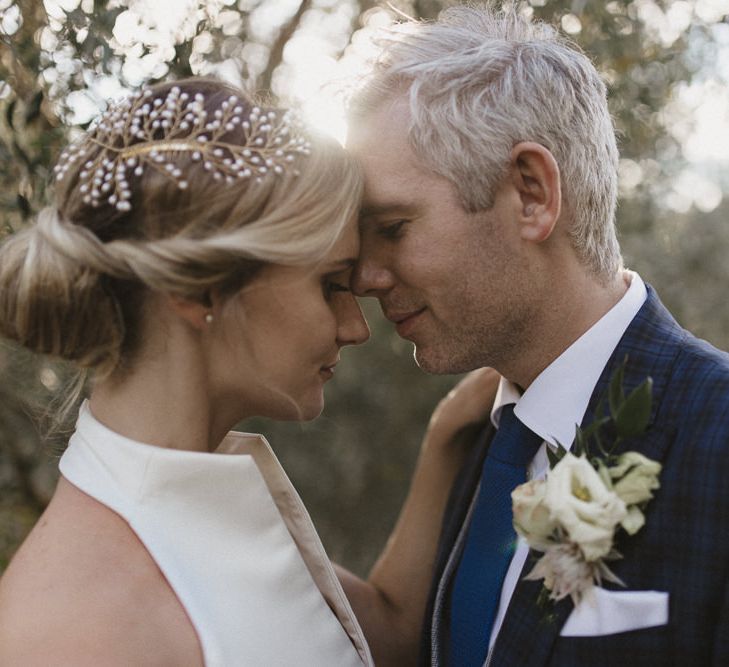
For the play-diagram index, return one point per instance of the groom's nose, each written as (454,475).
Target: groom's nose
(370,277)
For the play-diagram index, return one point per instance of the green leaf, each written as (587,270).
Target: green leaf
(553,457)
(589,432)
(633,415)
(600,447)
(584,436)
(604,473)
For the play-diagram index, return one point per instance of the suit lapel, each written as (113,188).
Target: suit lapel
(436,620)
(651,344)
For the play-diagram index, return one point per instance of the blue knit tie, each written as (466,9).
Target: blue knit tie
(490,542)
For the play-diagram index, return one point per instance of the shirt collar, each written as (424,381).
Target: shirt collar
(555,403)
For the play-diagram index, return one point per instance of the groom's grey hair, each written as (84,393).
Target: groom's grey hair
(481,80)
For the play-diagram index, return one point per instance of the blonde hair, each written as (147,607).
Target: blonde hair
(73,284)
(478,82)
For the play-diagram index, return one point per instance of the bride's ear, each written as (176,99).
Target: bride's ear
(196,313)
(536,178)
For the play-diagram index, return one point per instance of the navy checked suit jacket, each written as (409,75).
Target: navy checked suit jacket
(683,548)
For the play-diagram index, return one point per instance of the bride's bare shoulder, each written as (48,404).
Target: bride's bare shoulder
(83,590)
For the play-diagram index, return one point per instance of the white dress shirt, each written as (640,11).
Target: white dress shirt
(555,403)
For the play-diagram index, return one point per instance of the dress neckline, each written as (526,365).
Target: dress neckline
(240,487)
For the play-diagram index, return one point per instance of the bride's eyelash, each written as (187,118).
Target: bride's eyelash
(332,286)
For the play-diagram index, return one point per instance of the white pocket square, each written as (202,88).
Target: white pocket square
(610,612)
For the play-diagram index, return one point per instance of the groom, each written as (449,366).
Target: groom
(488,237)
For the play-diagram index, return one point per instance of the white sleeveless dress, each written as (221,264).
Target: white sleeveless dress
(234,541)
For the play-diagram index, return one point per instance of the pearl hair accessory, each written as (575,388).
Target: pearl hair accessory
(150,132)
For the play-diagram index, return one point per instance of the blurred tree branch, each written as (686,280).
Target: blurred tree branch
(275,57)
(19,54)
(14,421)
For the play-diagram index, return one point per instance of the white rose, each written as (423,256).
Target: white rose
(532,519)
(635,477)
(583,506)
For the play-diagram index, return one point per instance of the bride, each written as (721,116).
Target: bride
(196,264)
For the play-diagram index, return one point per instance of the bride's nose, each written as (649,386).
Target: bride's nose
(352,328)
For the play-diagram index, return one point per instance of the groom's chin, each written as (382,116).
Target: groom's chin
(438,362)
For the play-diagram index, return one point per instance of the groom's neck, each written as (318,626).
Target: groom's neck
(569,309)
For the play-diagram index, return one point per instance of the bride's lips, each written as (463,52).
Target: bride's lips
(327,372)
(405,322)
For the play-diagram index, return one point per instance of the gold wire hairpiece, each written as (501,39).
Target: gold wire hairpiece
(147,131)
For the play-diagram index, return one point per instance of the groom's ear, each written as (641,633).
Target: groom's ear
(536,178)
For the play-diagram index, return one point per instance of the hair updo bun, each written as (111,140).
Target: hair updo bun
(53,303)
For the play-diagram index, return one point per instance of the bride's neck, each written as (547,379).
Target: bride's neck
(164,399)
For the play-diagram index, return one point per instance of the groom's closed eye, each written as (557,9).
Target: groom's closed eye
(391,230)
(382,217)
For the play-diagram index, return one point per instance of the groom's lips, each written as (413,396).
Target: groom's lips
(405,322)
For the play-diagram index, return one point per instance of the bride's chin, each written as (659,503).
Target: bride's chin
(300,411)
(312,411)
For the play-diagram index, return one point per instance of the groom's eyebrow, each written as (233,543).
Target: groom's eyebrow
(385,208)
(343,264)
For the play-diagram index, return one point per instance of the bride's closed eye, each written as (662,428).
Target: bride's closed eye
(333,284)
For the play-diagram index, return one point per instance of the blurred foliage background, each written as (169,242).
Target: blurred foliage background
(667,65)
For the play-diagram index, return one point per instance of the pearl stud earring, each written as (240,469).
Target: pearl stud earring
(209,318)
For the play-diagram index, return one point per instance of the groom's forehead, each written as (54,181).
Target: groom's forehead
(391,191)
(379,140)
(395,183)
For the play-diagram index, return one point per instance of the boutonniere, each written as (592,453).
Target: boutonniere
(589,494)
